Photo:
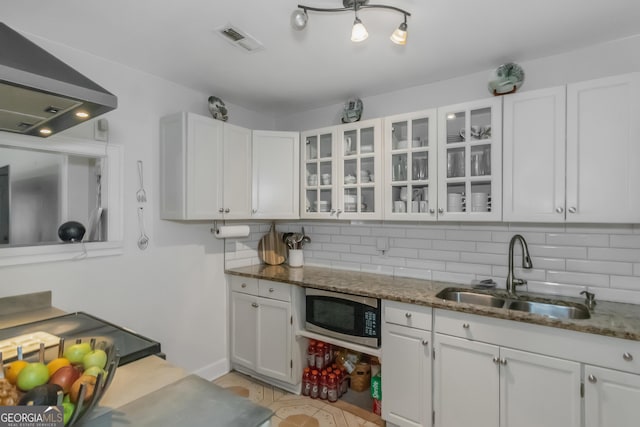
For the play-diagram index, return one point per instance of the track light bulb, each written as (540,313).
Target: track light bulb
(399,36)
(358,32)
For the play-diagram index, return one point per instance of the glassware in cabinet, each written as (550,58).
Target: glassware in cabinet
(319,169)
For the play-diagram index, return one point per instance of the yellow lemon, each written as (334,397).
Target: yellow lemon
(13,369)
(56,364)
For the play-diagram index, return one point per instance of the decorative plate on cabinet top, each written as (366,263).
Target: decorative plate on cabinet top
(507,78)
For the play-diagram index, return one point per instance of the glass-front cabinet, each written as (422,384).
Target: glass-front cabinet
(359,171)
(410,166)
(469,161)
(319,171)
(341,174)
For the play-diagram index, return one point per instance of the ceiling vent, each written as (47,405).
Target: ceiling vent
(239,38)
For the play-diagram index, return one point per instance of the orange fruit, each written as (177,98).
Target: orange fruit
(56,364)
(13,369)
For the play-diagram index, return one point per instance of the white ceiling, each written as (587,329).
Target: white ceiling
(320,66)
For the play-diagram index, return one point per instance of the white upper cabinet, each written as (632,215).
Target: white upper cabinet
(275,165)
(469,161)
(205,170)
(410,165)
(341,173)
(603,150)
(534,156)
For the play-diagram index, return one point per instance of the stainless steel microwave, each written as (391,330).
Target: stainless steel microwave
(350,318)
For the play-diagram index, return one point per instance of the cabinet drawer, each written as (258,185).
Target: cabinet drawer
(413,316)
(245,285)
(275,290)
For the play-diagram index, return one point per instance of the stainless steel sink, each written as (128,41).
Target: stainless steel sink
(556,309)
(470,297)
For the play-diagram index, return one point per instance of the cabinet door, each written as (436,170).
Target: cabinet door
(470,161)
(318,175)
(359,171)
(466,383)
(603,153)
(237,172)
(275,165)
(538,391)
(410,144)
(406,390)
(244,315)
(190,167)
(534,156)
(274,332)
(611,398)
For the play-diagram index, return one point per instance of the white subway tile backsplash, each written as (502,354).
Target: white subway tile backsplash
(600,267)
(584,279)
(613,254)
(454,245)
(557,251)
(625,241)
(570,239)
(566,258)
(626,282)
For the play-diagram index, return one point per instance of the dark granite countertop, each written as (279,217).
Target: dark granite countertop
(607,318)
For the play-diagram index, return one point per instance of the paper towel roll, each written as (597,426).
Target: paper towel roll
(227,231)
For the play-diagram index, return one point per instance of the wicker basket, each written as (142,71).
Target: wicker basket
(361,377)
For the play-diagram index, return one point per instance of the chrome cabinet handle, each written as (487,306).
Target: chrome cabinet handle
(221,210)
(503,361)
(559,210)
(627,356)
(227,210)
(572,209)
(425,342)
(254,211)
(407,315)
(271,289)
(432,211)
(254,304)
(592,379)
(244,285)
(441,210)
(496,360)
(332,212)
(465,325)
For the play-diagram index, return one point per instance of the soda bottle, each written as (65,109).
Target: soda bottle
(319,355)
(306,382)
(314,393)
(311,354)
(323,385)
(332,385)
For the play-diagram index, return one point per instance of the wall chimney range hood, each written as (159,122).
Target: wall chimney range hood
(41,95)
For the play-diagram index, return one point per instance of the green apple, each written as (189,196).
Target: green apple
(95,358)
(68,408)
(94,371)
(32,375)
(76,352)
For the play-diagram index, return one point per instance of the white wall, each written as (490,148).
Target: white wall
(606,59)
(174,291)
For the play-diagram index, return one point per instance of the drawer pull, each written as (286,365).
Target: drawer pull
(271,289)
(627,356)
(425,342)
(465,325)
(407,315)
(244,285)
(592,379)
(254,304)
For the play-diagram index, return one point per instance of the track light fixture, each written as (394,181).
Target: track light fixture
(299,19)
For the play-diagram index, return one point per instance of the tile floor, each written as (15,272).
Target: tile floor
(291,410)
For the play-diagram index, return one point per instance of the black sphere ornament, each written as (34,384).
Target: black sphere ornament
(71,231)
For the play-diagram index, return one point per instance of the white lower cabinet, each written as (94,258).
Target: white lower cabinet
(406,351)
(611,398)
(263,316)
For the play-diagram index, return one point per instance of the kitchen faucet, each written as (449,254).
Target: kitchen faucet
(512,281)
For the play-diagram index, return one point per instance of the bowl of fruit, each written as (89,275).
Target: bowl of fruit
(76,379)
